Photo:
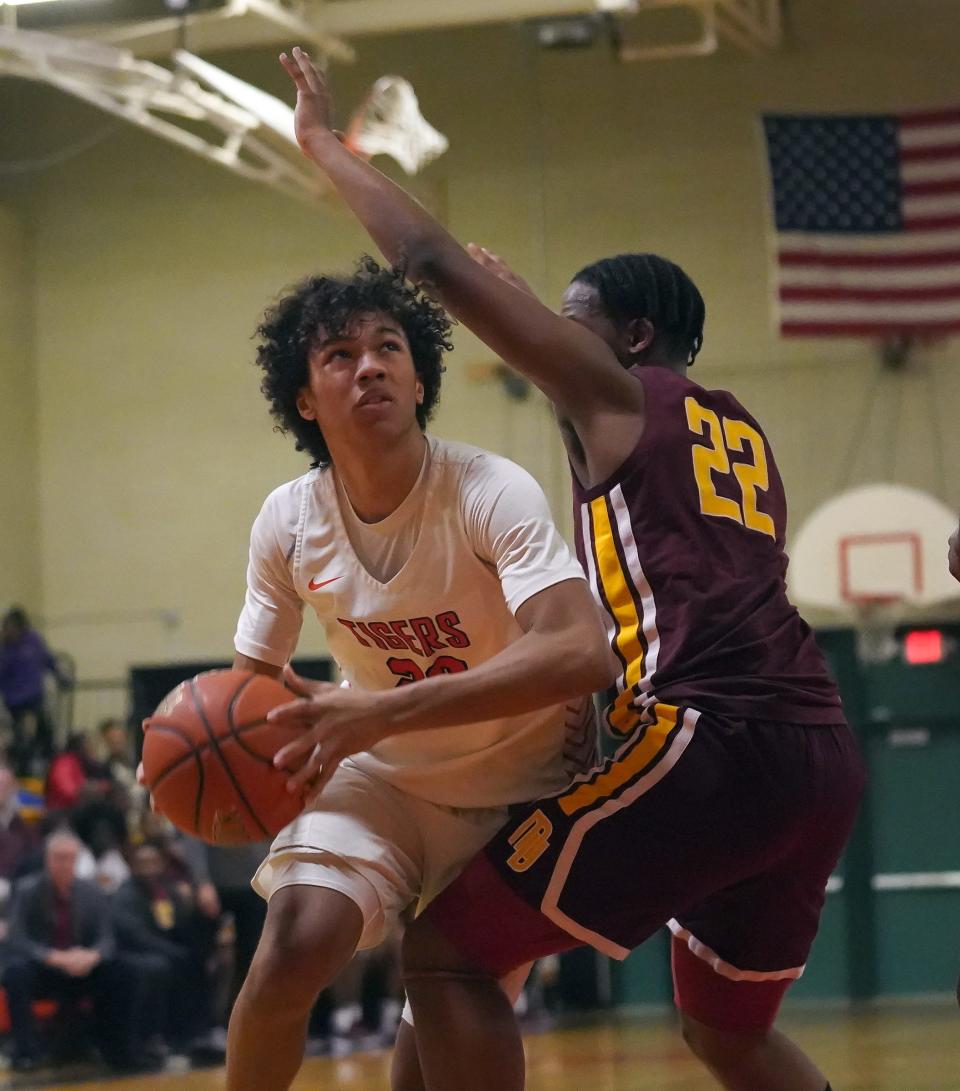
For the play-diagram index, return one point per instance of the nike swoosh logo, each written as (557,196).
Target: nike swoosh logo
(313,585)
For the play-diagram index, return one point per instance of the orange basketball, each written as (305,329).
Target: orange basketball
(208,758)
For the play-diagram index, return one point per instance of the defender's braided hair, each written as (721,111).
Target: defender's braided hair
(647,286)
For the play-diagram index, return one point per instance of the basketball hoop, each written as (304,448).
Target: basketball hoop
(880,567)
(389,122)
(876,621)
(879,572)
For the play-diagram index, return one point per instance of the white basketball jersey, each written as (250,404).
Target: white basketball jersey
(485,544)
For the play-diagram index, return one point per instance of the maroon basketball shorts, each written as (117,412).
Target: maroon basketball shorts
(724,830)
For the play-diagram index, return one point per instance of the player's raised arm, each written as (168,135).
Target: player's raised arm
(576,369)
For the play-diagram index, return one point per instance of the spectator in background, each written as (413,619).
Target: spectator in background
(74,775)
(153,828)
(366,998)
(102,827)
(223,877)
(118,759)
(158,927)
(63,947)
(34,859)
(24,660)
(17,839)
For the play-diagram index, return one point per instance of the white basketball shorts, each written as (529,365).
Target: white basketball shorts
(382,847)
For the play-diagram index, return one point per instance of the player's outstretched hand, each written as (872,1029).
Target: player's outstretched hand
(338,722)
(313,116)
(953,557)
(489,260)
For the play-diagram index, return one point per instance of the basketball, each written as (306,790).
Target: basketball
(208,758)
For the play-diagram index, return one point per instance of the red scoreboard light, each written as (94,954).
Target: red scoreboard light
(924,646)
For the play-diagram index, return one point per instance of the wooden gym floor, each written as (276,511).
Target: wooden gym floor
(907,1048)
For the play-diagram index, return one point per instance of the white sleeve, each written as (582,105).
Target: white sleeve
(509,522)
(272,614)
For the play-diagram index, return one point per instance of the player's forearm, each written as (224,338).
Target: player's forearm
(257,666)
(403,229)
(536,671)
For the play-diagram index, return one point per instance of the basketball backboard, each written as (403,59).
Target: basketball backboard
(877,545)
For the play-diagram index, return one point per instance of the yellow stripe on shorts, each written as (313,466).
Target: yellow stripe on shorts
(624,769)
(622,715)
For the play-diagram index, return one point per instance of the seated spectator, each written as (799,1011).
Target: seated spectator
(74,775)
(221,877)
(34,859)
(158,927)
(18,841)
(30,794)
(63,948)
(118,759)
(365,1000)
(102,827)
(150,826)
(222,874)
(24,660)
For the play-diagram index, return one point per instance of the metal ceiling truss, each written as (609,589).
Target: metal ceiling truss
(329,26)
(756,26)
(752,26)
(209,112)
(250,133)
(238,24)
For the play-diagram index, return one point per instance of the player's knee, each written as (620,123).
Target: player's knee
(426,950)
(309,936)
(720,1050)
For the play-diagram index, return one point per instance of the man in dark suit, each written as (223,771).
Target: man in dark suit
(162,934)
(62,948)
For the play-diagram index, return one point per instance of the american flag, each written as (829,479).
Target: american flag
(867,213)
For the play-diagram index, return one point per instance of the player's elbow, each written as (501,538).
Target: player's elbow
(589,663)
(430,258)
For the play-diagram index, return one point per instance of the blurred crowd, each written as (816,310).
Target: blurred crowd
(121,939)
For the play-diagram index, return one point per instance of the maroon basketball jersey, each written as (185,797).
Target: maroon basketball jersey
(684,549)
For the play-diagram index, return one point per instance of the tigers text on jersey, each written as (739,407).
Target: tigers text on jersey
(485,543)
(684,549)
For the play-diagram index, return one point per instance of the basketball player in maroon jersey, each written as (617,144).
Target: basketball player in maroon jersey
(736,780)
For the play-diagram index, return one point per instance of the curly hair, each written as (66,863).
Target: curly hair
(289,328)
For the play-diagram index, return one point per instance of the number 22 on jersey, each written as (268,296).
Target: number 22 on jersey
(713,459)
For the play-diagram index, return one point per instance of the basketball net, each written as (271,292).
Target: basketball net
(876,622)
(389,122)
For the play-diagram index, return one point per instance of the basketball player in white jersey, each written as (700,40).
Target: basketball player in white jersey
(455,612)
